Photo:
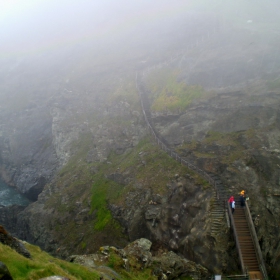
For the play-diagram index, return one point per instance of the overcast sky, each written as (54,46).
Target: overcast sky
(34,25)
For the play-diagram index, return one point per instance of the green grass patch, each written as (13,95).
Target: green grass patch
(41,265)
(169,93)
(102,190)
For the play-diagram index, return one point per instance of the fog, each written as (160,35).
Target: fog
(39,26)
(32,27)
(53,38)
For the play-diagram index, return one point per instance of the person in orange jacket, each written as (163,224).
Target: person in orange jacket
(242,198)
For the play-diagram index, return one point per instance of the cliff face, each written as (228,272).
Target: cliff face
(236,138)
(28,158)
(76,149)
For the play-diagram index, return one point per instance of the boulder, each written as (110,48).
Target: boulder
(139,250)
(4,272)
(14,243)
(85,260)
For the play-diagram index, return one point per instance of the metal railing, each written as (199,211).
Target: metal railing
(236,238)
(255,241)
(166,148)
(211,181)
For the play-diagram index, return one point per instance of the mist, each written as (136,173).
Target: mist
(50,40)
(40,27)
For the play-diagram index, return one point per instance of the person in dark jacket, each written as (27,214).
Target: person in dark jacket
(242,200)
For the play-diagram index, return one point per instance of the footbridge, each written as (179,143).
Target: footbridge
(250,255)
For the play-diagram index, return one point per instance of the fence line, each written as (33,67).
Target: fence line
(164,146)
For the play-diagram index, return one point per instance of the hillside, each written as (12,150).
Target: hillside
(73,138)
(21,260)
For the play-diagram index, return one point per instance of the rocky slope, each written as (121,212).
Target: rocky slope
(136,256)
(235,134)
(133,261)
(79,152)
(240,143)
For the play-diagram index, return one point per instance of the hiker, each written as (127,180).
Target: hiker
(242,198)
(232,207)
(230,200)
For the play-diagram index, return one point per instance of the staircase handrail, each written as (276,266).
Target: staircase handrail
(167,149)
(255,241)
(236,238)
(211,181)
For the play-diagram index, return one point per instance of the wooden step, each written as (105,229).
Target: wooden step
(254,275)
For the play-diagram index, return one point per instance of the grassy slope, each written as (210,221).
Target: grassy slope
(41,265)
(169,93)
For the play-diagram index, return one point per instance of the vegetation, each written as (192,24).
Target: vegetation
(149,165)
(41,265)
(103,189)
(229,140)
(170,94)
(92,185)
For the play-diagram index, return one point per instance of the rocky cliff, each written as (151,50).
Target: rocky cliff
(82,153)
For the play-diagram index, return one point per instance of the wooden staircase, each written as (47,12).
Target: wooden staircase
(247,248)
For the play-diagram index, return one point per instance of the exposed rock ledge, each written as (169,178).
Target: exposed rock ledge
(137,256)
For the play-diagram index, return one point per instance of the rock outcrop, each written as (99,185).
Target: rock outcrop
(9,240)
(137,256)
(4,272)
